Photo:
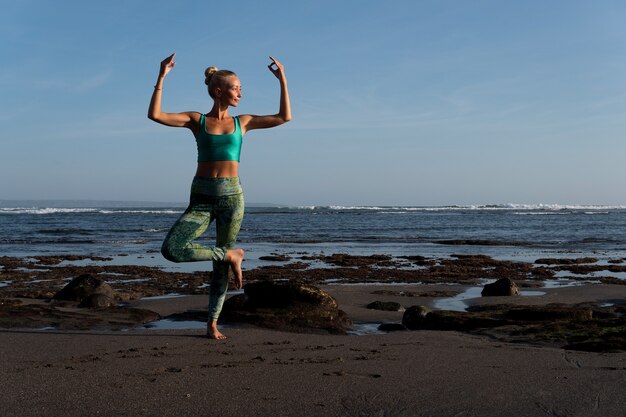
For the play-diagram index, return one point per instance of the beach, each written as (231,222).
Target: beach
(263,372)
(437,229)
(143,370)
(556,349)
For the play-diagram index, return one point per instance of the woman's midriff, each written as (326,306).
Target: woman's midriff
(218,169)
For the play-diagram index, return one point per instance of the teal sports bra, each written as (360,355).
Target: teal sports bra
(225,147)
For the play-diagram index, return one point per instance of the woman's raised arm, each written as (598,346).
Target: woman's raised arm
(250,122)
(154,110)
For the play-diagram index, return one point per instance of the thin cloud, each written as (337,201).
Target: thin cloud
(72,85)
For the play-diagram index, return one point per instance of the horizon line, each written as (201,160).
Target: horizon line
(93,203)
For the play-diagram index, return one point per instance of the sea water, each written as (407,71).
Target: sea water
(132,234)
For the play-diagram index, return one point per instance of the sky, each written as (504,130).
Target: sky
(420,103)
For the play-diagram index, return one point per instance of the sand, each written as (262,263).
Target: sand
(259,372)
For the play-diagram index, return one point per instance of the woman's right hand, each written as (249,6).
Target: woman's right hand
(167,64)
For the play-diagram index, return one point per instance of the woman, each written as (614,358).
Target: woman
(216,193)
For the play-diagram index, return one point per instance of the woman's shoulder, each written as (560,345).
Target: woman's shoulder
(244,118)
(195,119)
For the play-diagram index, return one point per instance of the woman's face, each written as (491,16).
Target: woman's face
(232,91)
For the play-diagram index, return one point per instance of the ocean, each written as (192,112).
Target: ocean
(131,233)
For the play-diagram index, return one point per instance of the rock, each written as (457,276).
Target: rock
(566,261)
(37,316)
(9,302)
(280,294)
(128,296)
(96,300)
(502,287)
(392,327)
(385,306)
(275,258)
(460,321)
(82,287)
(550,312)
(414,317)
(480,242)
(286,305)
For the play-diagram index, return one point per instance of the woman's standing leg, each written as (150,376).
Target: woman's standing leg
(228,217)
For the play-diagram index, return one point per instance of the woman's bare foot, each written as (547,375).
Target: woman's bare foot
(235,257)
(212,332)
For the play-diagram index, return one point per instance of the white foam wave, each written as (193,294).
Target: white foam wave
(589,209)
(358,208)
(168,211)
(55,210)
(556,207)
(44,210)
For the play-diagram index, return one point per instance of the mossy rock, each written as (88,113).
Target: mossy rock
(385,306)
(291,306)
(415,316)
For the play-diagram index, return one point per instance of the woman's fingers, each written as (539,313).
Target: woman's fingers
(276,63)
(168,63)
(276,67)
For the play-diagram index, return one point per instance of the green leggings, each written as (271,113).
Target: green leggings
(212,199)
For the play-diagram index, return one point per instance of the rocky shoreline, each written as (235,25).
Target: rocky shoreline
(40,277)
(29,297)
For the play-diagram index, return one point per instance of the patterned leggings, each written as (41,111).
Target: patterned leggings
(212,199)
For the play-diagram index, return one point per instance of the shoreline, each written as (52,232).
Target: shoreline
(259,372)
(145,295)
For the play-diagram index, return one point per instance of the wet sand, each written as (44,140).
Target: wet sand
(261,372)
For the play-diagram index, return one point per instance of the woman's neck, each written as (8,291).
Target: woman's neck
(218,112)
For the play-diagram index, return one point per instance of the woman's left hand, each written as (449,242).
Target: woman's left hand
(277,68)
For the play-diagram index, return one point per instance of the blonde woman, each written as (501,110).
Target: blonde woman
(216,193)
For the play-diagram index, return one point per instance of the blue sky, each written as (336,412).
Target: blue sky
(394,103)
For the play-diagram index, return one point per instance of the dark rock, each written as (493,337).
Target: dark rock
(417,259)
(502,287)
(414,317)
(566,261)
(55,260)
(286,305)
(280,294)
(96,300)
(385,306)
(82,287)
(549,313)
(479,242)
(342,259)
(610,346)
(579,327)
(189,315)
(128,296)
(459,321)
(37,316)
(10,302)
(392,327)
(429,293)
(275,258)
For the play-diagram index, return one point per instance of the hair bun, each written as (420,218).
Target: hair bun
(208,73)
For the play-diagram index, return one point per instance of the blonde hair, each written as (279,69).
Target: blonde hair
(215,78)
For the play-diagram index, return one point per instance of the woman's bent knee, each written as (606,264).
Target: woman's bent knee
(170,253)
